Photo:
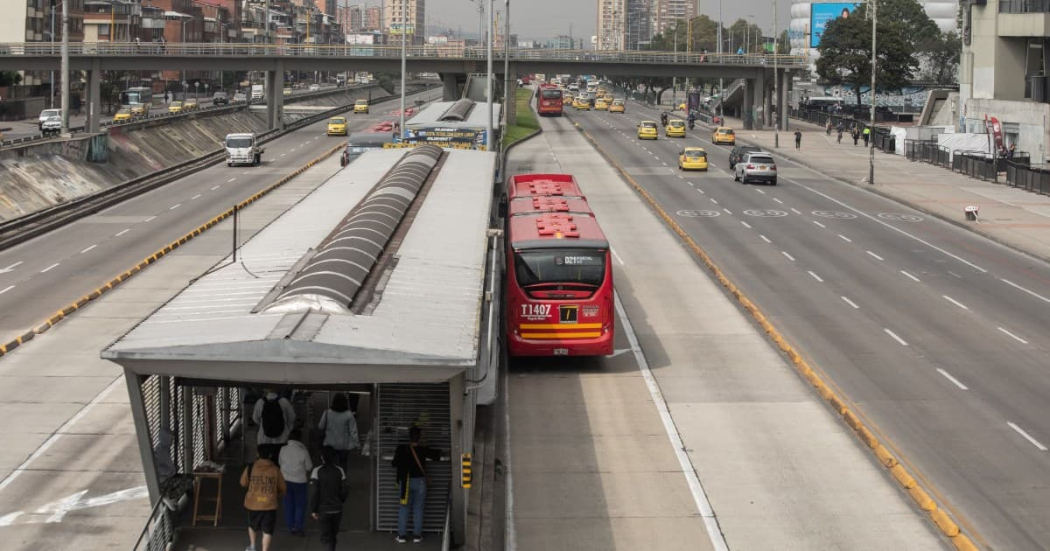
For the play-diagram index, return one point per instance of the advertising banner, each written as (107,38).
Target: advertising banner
(821,14)
(456,138)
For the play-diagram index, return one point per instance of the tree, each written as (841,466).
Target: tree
(10,78)
(940,59)
(740,32)
(845,46)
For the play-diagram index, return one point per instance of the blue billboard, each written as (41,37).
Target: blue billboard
(821,14)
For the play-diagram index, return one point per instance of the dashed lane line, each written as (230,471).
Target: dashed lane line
(1033,293)
(125,230)
(875,255)
(1027,436)
(766,239)
(746,225)
(846,239)
(51,267)
(730,213)
(819,224)
(150,219)
(232,179)
(789,257)
(1012,336)
(851,303)
(815,276)
(88,249)
(198,196)
(952,379)
(895,337)
(6,289)
(917,280)
(796,211)
(175,207)
(955,302)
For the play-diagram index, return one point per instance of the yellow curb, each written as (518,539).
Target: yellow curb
(922,499)
(885,456)
(963,543)
(903,478)
(944,522)
(868,438)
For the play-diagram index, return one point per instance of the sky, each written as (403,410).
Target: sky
(541,19)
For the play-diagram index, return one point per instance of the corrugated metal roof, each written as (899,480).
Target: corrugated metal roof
(427,316)
(430,116)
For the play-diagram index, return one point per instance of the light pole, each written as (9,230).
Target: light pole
(776,82)
(65,69)
(674,80)
(874,59)
(488,129)
(721,92)
(51,98)
(506,66)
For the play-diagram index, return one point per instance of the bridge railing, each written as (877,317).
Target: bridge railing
(211,49)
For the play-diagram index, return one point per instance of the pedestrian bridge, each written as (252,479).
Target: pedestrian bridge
(436,59)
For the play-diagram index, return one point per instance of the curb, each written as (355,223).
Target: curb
(905,480)
(65,312)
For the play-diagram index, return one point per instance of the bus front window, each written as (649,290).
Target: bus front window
(560,267)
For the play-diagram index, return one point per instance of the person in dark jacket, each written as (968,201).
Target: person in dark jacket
(328,491)
(410,462)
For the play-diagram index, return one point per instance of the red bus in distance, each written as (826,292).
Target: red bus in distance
(559,272)
(549,101)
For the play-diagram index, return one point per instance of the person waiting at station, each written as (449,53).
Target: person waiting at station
(296,464)
(328,492)
(340,429)
(265,486)
(275,417)
(410,462)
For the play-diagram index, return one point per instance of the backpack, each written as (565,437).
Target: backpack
(272,418)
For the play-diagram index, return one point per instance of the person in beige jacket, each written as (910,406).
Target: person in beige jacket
(266,486)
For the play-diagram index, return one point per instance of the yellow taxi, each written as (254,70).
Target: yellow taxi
(647,130)
(675,128)
(287,91)
(692,158)
(601,104)
(582,103)
(175,107)
(337,126)
(361,106)
(139,109)
(723,134)
(618,106)
(190,105)
(123,115)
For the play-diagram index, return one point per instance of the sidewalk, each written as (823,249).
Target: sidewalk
(1013,217)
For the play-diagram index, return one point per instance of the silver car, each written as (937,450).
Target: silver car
(756,167)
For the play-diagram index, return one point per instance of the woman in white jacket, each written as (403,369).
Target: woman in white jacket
(340,428)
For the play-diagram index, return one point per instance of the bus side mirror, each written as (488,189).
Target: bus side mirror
(502,209)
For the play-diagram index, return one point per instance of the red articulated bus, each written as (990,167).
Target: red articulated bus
(549,102)
(559,273)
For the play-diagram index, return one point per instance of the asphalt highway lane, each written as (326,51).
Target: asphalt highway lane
(938,335)
(45,274)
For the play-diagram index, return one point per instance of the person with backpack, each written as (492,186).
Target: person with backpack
(340,429)
(275,417)
(410,462)
(328,491)
(295,467)
(265,486)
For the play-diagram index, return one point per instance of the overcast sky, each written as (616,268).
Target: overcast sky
(541,19)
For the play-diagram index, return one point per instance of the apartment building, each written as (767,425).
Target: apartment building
(33,21)
(611,24)
(666,12)
(373,18)
(395,11)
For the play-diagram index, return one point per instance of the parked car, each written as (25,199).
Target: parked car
(52,126)
(756,167)
(739,152)
(47,114)
(220,98)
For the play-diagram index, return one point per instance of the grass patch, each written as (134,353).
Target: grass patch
(527,123)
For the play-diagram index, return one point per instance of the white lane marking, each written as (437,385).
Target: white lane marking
(778,200)
(123,232)
(665,164)
(700,190)
(690,183)
(875,255)
(88,249)
(955,302)
(728,211)
(746,225)
(282,154)
(714,532)
(850,302)
(150,219)
(64,429)
(911,276)
(6,289)
(895,337)
(1027,436)
(952,379)
(198,196)
(681,178)
(846,239)
(789,257)
(816,277)
(245,172)
(766,239)
(231,179)
(892,227)
(953,274)
(216,187)
(175,207)
(1033,293)
(796,211)
(1015,337)
(819,224)
(760,191)
(51,267)
(617,256)
(13,266)
(713,201)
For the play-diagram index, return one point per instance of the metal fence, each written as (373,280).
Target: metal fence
(1027,177)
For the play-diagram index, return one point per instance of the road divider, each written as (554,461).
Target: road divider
(65,312)
(937,515)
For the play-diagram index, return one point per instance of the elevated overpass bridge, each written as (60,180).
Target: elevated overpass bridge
(451,63)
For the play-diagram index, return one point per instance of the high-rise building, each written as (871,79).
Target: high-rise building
(351,18)
(33,20)
(638,27)
(395,13)
(666,12)
(611,24)
(373,18)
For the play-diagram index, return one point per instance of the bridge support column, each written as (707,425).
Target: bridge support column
(759,101)
(767,106)
(275,96)
(94,93)
(782,101)
(450,86)
(511,107)
(747,110)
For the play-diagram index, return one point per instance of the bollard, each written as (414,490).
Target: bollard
(971,213)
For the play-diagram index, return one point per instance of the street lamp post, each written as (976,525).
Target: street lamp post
(506,66)
(874,59)
(721,91)
(674,80)
(65,69)
(404,61)
(776,79)
(488,130)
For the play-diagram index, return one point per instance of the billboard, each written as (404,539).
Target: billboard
(821,14)
(457,138)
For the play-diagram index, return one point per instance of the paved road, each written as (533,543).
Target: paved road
(43,275)
(937,335)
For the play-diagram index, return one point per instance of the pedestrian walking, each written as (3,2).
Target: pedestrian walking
(275,417)
(856,136)
(328,491)
(867,135)
(798,139)
(828,128)
(340,429)
(265,487)
(295,468)
(410,462)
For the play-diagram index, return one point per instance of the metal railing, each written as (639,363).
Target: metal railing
(159,530)
(212,49)
(1024,6)
(1026,177)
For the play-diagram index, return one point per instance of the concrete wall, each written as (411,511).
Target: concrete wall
(998,64)
(1033,120)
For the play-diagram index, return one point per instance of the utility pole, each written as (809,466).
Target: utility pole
(65,68)
(721,89)
(490,87)
(506,67)
(674,80)
(51,98)
(874,59)
(776,82)
(404,60)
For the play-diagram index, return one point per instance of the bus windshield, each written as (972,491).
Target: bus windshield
(561,266)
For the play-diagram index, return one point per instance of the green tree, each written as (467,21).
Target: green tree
(10,78)
(940,58)
(741,32)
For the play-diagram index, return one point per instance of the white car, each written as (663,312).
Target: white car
(47,114)
(315,87)
(53,125)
